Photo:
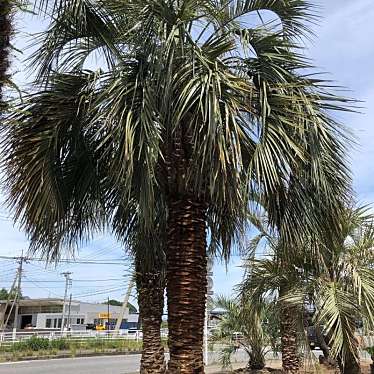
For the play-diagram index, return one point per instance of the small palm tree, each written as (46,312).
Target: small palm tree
(194,109)
(273,276)
(248,322)
(269,278)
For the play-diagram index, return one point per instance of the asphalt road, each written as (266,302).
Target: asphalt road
(86,365)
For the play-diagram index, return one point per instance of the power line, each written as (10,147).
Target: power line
(109,261)
(45,289)
(78,280)
(99,292)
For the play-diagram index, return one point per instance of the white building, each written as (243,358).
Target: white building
(46,314)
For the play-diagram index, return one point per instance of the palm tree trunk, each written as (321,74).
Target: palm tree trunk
(186,285)
(5,33)
(351,365)
(290,355)
(326,359)
(150,286)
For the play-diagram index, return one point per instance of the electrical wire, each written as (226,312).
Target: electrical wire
(99,292)
(81,280)
(109,261)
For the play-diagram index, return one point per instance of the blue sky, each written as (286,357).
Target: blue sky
(343,47)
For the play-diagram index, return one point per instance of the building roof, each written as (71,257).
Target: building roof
(40,302)
(84,306)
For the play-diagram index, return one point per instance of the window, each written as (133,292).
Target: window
(55,323)
(80,321)
(59,323)
(48,323)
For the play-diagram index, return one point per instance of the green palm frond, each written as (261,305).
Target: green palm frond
(174,114)
(247,319)
(55,187)
(339,311)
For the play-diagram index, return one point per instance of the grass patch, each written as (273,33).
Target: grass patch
(40,347)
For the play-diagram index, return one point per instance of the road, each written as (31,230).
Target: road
(86,365)
(92,365)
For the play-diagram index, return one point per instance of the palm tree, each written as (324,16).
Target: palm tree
(193,108)
(148,252)
(5,34)
(342,287)
(334,276)
(150,281)
(275,276)
(249,320)
(269,277)
(71,208)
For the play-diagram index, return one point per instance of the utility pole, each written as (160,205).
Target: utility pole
(209,295)
(18,295)
(68,283)
(3,324)
(108,316)
(69,313)
(125,303)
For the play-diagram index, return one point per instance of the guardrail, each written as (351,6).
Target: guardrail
(12,337)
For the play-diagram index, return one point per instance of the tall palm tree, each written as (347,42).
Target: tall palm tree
(195,108)
(150,266)
(150,281)
(5,34)
(71,205)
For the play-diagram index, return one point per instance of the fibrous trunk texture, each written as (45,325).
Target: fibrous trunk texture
(257,359)
(351,365)
(150,286)
(288,325)
(186,285)
(5,33)
(326,359)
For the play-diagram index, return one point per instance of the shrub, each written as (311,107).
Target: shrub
(35,344)
(59,344)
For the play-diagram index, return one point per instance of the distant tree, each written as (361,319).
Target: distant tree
(114,302)
(4,294)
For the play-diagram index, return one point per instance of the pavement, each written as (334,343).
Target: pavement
(83,365)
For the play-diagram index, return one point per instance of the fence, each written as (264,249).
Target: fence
(7,338)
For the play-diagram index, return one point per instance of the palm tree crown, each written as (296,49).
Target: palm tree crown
(197,109)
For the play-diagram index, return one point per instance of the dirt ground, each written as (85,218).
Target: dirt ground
(274,368)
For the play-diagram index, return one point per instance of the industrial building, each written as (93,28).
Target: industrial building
(47,314)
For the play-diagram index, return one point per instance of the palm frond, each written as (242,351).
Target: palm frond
(53,173)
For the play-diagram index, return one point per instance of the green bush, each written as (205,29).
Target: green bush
(59,344)
(34,344)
